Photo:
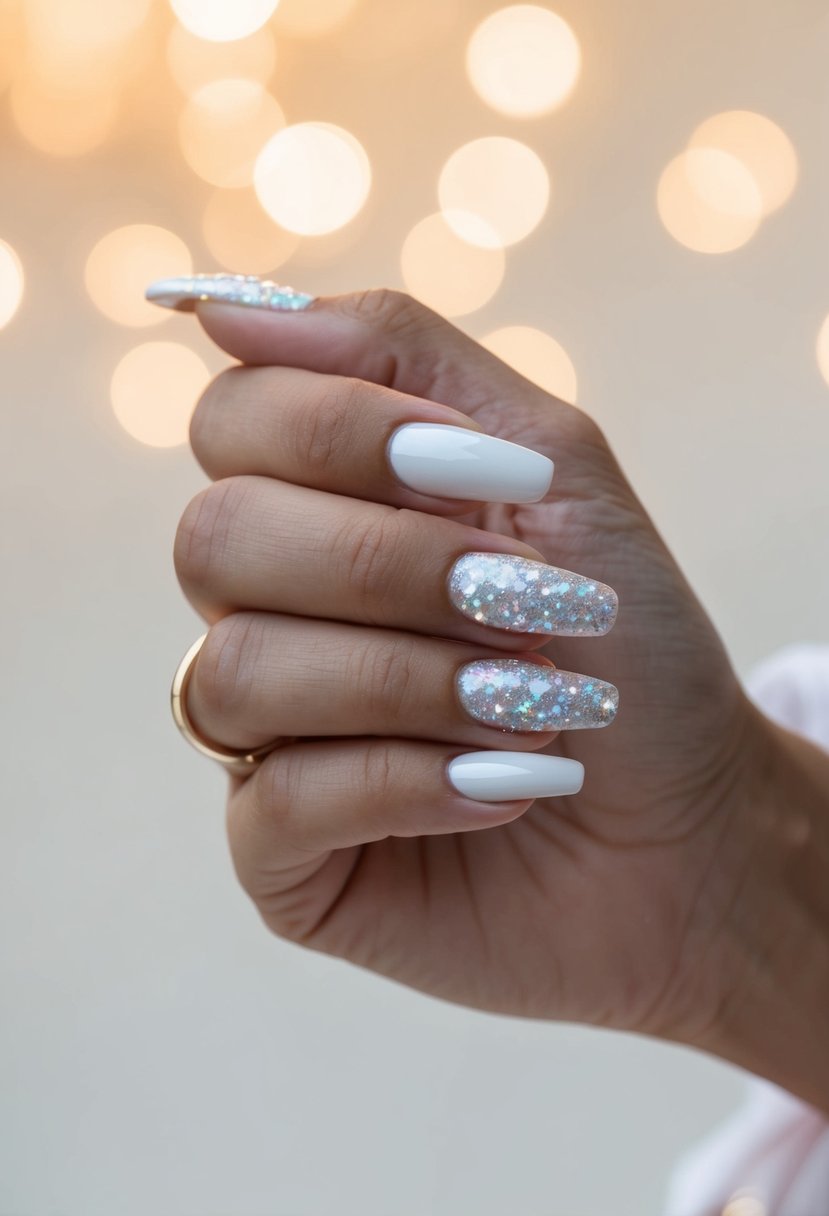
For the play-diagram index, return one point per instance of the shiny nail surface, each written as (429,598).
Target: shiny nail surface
(506,776)
(247,291)
(454,462)
(509,592)
(517,695)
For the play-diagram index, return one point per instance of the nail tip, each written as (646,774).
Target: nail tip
(184,292)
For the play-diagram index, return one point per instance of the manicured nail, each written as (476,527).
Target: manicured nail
(519,696)
(503,776)
(514,593)
(247,290)
(453,462)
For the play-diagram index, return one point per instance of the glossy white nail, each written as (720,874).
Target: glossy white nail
(246,290)
(504,776)
(453,462)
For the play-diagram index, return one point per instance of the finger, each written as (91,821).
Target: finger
(308,799)
(261,676)
(382,336)
(350,437)
(253,542)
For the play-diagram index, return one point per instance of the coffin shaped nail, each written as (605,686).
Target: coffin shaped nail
(454,462)
(505,776)
(513,593)
(185,292)
(517,695)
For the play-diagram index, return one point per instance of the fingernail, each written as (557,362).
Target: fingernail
(502,776)
(514,593)
(517,695)
(247,290)
(453,462)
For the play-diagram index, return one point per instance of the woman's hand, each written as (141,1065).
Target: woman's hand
(332,623)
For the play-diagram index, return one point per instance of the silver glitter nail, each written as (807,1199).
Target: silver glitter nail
(247,290)
(514,593)
(520,696)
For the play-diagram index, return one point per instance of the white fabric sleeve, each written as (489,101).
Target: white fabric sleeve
(774,1148)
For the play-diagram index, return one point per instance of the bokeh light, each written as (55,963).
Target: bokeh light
(12,42)
(759,144)
(194,62)
(745,1203)
(154,391)
(123,262)
(83,26)
(823,350)
(241,237)
(312,177)
(63,121)
(446,272)
(11,283)
(223,20)
(709,201)
(537,356)
(222,129)
(523,60)
(310,18)
(499,180)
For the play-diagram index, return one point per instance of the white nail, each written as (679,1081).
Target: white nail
(453,462)
(503,776)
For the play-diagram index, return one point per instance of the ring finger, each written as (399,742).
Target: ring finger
(261,676)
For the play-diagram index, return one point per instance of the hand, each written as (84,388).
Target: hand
(323,580)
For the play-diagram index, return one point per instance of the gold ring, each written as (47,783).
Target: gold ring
(242,763)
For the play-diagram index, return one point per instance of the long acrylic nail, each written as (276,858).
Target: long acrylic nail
(184,293)
(506,776)
(453,462)
(517,695)
(524,596)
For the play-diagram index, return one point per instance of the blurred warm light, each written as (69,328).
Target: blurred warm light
(523,60)
(223,127)
(537,356)
(709,201)
(241,237)
(823,350)
(446,272)
(312,177)
(401,31)
(745,1204)
(11,283)
(11,42)
(499,180)
(123,262)
(760,145)
(154,392)
(223,20)
(63,121)
(84,25)
(309,18)
(194,62)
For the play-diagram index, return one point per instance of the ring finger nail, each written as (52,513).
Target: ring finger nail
(524,596)
(453,462)
(517,695)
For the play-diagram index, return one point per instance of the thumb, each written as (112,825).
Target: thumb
(382,336)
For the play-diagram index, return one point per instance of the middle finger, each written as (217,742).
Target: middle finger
(257,543)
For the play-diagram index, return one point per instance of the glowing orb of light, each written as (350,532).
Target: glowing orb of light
(523,60)
(223,20)
(222,128)
(760,145)
(11,283)
(154,391)
(536,355)
(447,273)
(500,180)
(709,201)
(124,261)
(312,177)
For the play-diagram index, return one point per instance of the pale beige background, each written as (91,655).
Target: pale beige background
(160,1053)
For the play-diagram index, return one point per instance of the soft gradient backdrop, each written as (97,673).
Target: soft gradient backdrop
(160,1052)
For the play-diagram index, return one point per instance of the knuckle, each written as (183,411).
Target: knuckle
(367,552)
(377,775)
(204,530)
(322,433)
(396,311)
(386,676)
(226,663)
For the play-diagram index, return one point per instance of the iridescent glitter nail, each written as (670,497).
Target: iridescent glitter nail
(513,593)
(247,290)
(520,696)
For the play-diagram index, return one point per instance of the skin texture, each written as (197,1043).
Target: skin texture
(641,903)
